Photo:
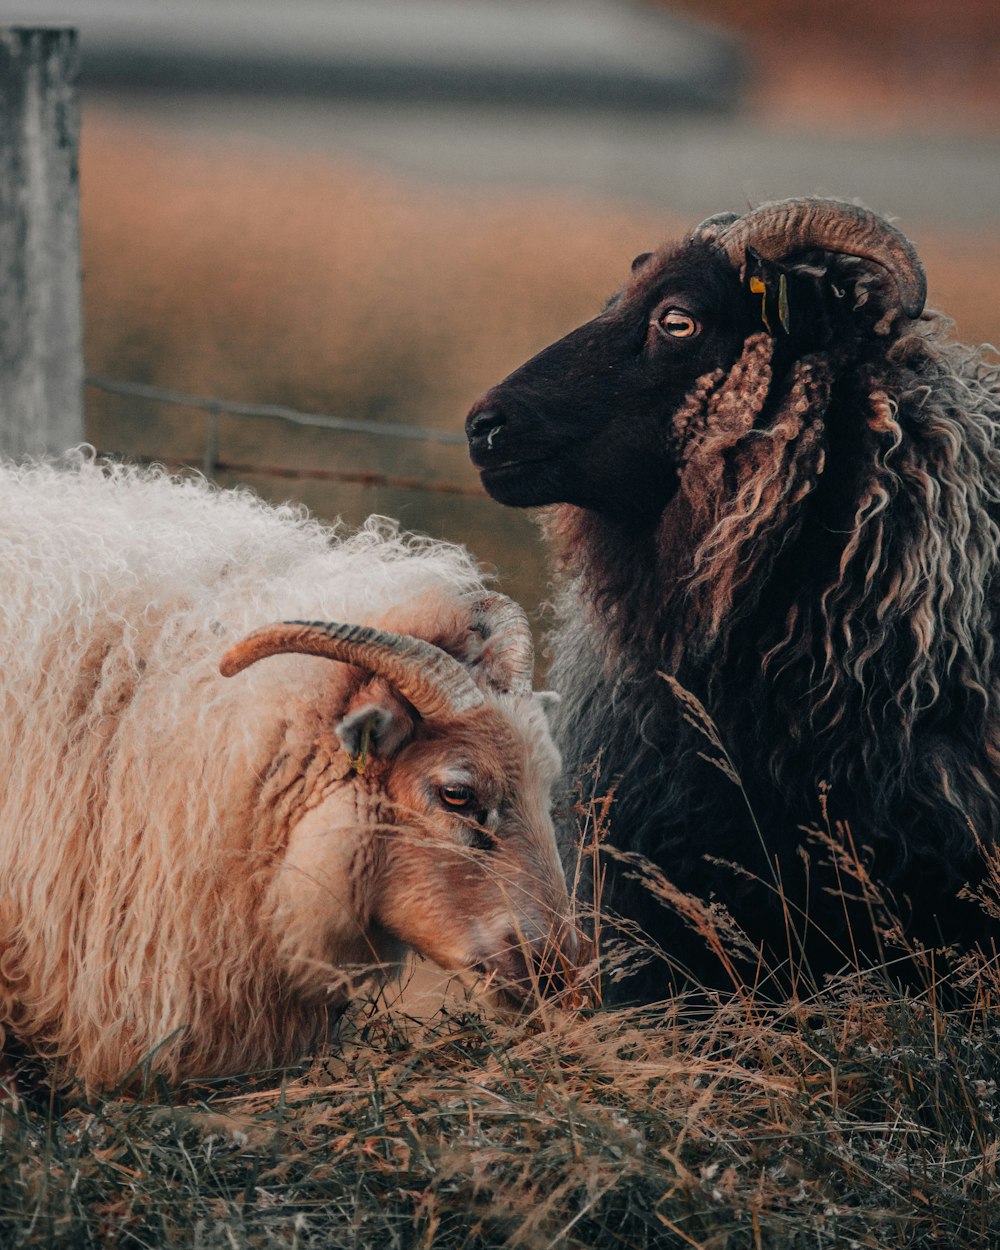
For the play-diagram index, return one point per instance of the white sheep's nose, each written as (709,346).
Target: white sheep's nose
(546,966)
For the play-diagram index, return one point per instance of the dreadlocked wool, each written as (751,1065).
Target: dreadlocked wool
(775,480)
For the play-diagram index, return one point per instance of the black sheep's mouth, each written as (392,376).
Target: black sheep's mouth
(491,462)
(508,467)
(525,483)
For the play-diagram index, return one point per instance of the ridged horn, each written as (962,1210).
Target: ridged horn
(710,229)
(778,229)
(432,680)
(509,650)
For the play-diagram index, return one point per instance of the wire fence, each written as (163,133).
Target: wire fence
(212,464)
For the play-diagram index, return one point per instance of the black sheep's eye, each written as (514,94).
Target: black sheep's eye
(458,797)
(678,324)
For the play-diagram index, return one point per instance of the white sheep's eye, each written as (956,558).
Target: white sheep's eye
(458,797)
(678,324)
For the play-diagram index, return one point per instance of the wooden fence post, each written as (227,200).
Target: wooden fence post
(41,342)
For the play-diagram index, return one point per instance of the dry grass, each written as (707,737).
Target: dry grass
(861,1118)
(860,1115)
(325,285)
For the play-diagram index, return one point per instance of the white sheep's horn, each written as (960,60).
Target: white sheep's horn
(779,229)
(432,680)
(509,651)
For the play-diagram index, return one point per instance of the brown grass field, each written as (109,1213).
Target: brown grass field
(332,289)
(856,1114)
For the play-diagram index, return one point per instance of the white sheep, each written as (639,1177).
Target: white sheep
(192,867)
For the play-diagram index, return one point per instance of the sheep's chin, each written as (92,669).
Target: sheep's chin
(523,484)
(539,483)
(509,996)
(514,986)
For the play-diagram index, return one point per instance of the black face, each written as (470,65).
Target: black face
(589,421)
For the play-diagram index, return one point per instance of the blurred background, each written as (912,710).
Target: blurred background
(374,209)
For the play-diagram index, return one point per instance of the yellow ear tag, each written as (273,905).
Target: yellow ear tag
(359,762)
(758,287)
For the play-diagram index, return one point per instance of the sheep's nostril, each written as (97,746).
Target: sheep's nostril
(485,424)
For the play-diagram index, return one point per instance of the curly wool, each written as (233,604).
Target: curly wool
(825,580)
(130,892)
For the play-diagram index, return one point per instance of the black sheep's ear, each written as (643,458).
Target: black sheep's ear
(811,306)
(768,288)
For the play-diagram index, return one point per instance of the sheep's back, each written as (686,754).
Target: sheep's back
(132,856)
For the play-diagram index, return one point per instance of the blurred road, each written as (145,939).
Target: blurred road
(602,97)
(577,52)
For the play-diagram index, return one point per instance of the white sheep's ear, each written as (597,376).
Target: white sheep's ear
(547,700)
(376,723)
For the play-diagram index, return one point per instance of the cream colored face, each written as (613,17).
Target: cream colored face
(437,837)
(471,875)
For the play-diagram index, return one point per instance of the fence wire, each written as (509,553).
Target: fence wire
(212,464)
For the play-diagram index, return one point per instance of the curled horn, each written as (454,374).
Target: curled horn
(710,229)
(431,679)
(509,651)
(777,230)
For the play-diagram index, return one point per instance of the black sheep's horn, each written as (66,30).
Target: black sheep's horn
(780,229)
(712,227)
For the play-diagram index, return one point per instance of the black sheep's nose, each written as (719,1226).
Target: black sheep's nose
(484,423)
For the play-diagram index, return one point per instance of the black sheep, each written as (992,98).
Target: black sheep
(777,481)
